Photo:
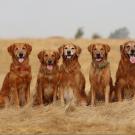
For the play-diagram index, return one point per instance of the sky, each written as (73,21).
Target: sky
(45,18)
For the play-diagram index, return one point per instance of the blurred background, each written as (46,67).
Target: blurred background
(67,18)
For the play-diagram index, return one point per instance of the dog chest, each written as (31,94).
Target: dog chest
(100,76)
(68,94)
(48,90)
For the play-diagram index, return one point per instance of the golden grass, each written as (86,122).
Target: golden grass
(111,119)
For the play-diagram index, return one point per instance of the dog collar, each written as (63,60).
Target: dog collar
(103,65)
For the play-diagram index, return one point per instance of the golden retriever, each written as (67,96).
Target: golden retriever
(16,85)
(48,78)
(125,75)
(72,81)
(99,75)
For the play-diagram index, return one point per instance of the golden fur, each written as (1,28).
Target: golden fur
(99,75)
(48,78)
(125,75)
(72,81)
(16,85)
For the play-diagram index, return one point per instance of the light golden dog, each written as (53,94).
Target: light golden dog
(16,85)
(125,76)
(72,81)
(48,78)
(99,75)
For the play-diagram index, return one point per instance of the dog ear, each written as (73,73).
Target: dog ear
(60,49)
(11,49)
(78,50)
(90,47)
(41,56)
(29,48)
(107,48)
(57,55)
(121,48)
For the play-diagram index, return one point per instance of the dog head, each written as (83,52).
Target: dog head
(19,51)
(128,51)
(99,51)
(69,51)
(49,58)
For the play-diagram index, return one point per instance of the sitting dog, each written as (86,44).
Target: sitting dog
(72,81)
(16,85)
(99,75)
(125,75)
(48,78)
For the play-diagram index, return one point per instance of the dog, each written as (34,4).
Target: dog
(72,81)
(125,75)
(16,85)
(48,78)
(99,75)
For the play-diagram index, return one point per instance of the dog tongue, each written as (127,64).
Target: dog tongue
(21,60)
(132,59)
(49,67)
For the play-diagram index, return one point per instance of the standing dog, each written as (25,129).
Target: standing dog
(72,81)
(99,75)
(16,85)
(125,76)
(48,78)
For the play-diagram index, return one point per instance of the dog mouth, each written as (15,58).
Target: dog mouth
(21,57)
(99,59)
(68,56)
(50,66)
(132,58)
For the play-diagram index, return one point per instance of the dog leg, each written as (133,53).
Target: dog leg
(119,94)
(93,95)
(40,94)
(107,94)
(55,94)
(62,96)
(38,97)
(22,98)
(14,99)
(27,93)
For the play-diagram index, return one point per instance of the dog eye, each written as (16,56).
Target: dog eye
(46,55)
(128,46)
(72,48)
(16,48)
(66,48)
(23,48)
(53,56)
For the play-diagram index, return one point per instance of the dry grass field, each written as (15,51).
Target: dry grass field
(115,118)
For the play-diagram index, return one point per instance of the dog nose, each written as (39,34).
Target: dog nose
(68,52)
(98,55)
(49,61)
(132,51)
(20,55)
